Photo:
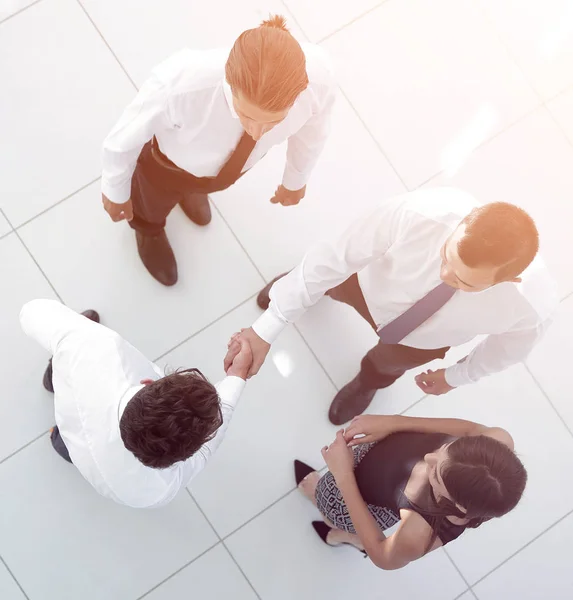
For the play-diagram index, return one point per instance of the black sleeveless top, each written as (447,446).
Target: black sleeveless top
(384,472)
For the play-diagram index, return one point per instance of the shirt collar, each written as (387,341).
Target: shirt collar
(229,97)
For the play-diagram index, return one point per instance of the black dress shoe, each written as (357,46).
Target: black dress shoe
(301,470)
(322,529)
(157,256)
(92,315)
(196,207)
(263,299)
(350,401)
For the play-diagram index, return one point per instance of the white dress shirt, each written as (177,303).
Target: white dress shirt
(95,375)
(187,104)
(395,249)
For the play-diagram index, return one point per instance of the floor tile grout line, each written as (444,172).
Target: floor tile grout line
(49,208)
(108,46)
(222,542)
(373,137)
(39,267)
(469,587)
(501,40)
(196,333)
(241,569)
(179,570)
(261,512)
(351,22)
(485,142)
(546,395)
(20,11)
(521,549)
(39,437)
(13,577)
(251,260)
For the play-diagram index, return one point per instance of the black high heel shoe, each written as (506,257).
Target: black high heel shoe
(322,529)
(301,470)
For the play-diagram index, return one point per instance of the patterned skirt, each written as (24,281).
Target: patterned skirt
(332,506)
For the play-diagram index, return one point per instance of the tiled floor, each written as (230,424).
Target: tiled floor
(472,93)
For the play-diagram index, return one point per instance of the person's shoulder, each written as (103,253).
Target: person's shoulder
(319,66)
(193,70)
(539,288)
(441,203)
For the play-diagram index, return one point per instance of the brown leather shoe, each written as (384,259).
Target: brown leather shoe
(197,208)
(350,401)
(263,299)
(157,256)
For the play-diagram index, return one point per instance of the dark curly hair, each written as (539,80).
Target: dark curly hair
(170,419)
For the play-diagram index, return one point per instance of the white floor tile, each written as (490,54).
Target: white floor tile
(282,416)
(26,409)
(321,17)
(214,576)
(93,263)
(550,361)
(341,188)
(297,564)
(10,7)
(467,596)
(63,90)
(531,165)
(4,226)
(142,33)
(431,80)
(539,36)
(512,400)
(562,109)
(542,570)
(9,589)
(82,545)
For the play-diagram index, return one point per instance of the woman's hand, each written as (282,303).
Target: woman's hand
(339,458)
(370,428)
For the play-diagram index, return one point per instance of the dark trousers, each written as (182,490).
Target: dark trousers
(384,363)
(55,437)
(154,193)
(158,185)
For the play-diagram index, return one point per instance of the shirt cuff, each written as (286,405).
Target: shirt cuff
(230,390)
(269,325)
(293,180)
(116,194)
(456,375)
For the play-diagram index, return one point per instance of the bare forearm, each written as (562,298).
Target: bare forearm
(366,527)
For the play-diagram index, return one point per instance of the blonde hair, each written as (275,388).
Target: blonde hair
(267,66)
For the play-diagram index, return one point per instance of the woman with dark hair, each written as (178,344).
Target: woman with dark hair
(437,477)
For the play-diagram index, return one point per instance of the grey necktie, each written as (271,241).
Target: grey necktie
(395,331)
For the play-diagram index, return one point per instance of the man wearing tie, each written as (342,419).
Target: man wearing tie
(202,120)
(428,270)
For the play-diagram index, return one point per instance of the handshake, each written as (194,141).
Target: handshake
(246,352)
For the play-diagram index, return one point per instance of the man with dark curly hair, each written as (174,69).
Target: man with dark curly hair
(137,435)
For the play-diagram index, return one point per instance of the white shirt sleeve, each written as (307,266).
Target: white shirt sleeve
(327,265)
(49,322)
(229,390)
(142,119)
(305,146)
(496,353)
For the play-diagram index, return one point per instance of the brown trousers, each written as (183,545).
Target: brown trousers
(158,185)
(384,363)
